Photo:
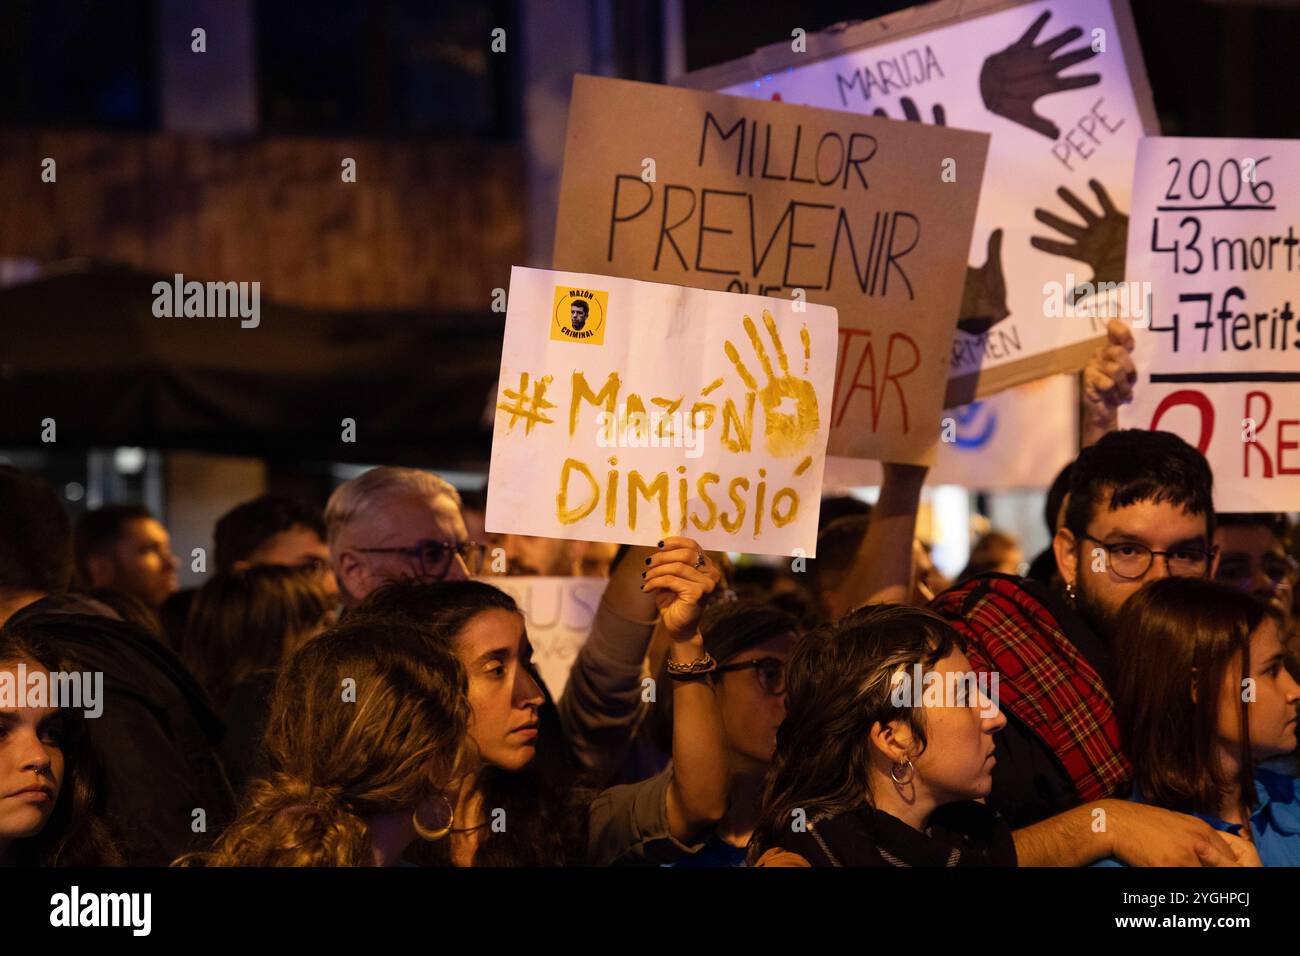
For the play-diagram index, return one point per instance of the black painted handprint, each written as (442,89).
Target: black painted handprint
(1101,242)
(984,298)
(912,114)
(1012,80)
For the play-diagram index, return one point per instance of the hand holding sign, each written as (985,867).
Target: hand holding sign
(1101,242)
(1108,381)
(788,430)
(681,577)
(1013,79)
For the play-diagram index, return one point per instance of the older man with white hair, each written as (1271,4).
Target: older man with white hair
(393,523)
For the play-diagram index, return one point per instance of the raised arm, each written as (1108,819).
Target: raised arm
(697,795)
(1108,381)
(602,701)
(882,570)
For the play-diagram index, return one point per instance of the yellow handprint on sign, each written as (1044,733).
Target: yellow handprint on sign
(790,416)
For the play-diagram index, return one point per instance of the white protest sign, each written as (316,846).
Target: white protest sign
(1061,87)
(558,613)
(628,411)
(1015,440)
(1214,232)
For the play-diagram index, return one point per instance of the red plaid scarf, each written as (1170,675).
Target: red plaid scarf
(1043,679)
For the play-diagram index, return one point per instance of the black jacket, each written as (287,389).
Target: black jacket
(960,834)
(155,740)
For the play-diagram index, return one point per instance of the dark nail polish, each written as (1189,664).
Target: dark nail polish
(642,574)
(661,544)
(647,560)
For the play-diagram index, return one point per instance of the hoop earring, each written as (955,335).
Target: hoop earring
(428,835)
(908,771)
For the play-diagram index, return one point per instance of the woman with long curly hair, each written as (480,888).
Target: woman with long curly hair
(48,814)
(518,803)
(366,730)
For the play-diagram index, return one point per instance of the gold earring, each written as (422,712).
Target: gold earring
(432,836)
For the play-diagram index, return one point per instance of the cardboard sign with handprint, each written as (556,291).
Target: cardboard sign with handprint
(1060,86)
(800,205)
(700,413)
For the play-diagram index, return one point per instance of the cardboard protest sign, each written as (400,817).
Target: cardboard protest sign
(1014,440)
(720,192)
(1216,234)
(1061,87)
(558,613)
(629,411)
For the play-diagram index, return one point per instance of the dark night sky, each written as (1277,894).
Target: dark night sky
(408,67)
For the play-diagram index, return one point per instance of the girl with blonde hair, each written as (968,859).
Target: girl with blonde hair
(366,729)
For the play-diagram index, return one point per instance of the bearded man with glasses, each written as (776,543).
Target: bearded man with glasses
(1140,508)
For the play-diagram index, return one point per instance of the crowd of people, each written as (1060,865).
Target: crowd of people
(350,688)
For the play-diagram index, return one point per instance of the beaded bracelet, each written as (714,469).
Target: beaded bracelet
(697,667)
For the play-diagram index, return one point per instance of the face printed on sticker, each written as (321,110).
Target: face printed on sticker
(578,315)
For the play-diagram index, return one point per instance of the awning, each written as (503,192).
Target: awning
(85,349)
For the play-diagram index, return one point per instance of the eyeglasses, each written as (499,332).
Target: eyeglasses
(769,670)
(1131,560)
(1238,567)
(434,557)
